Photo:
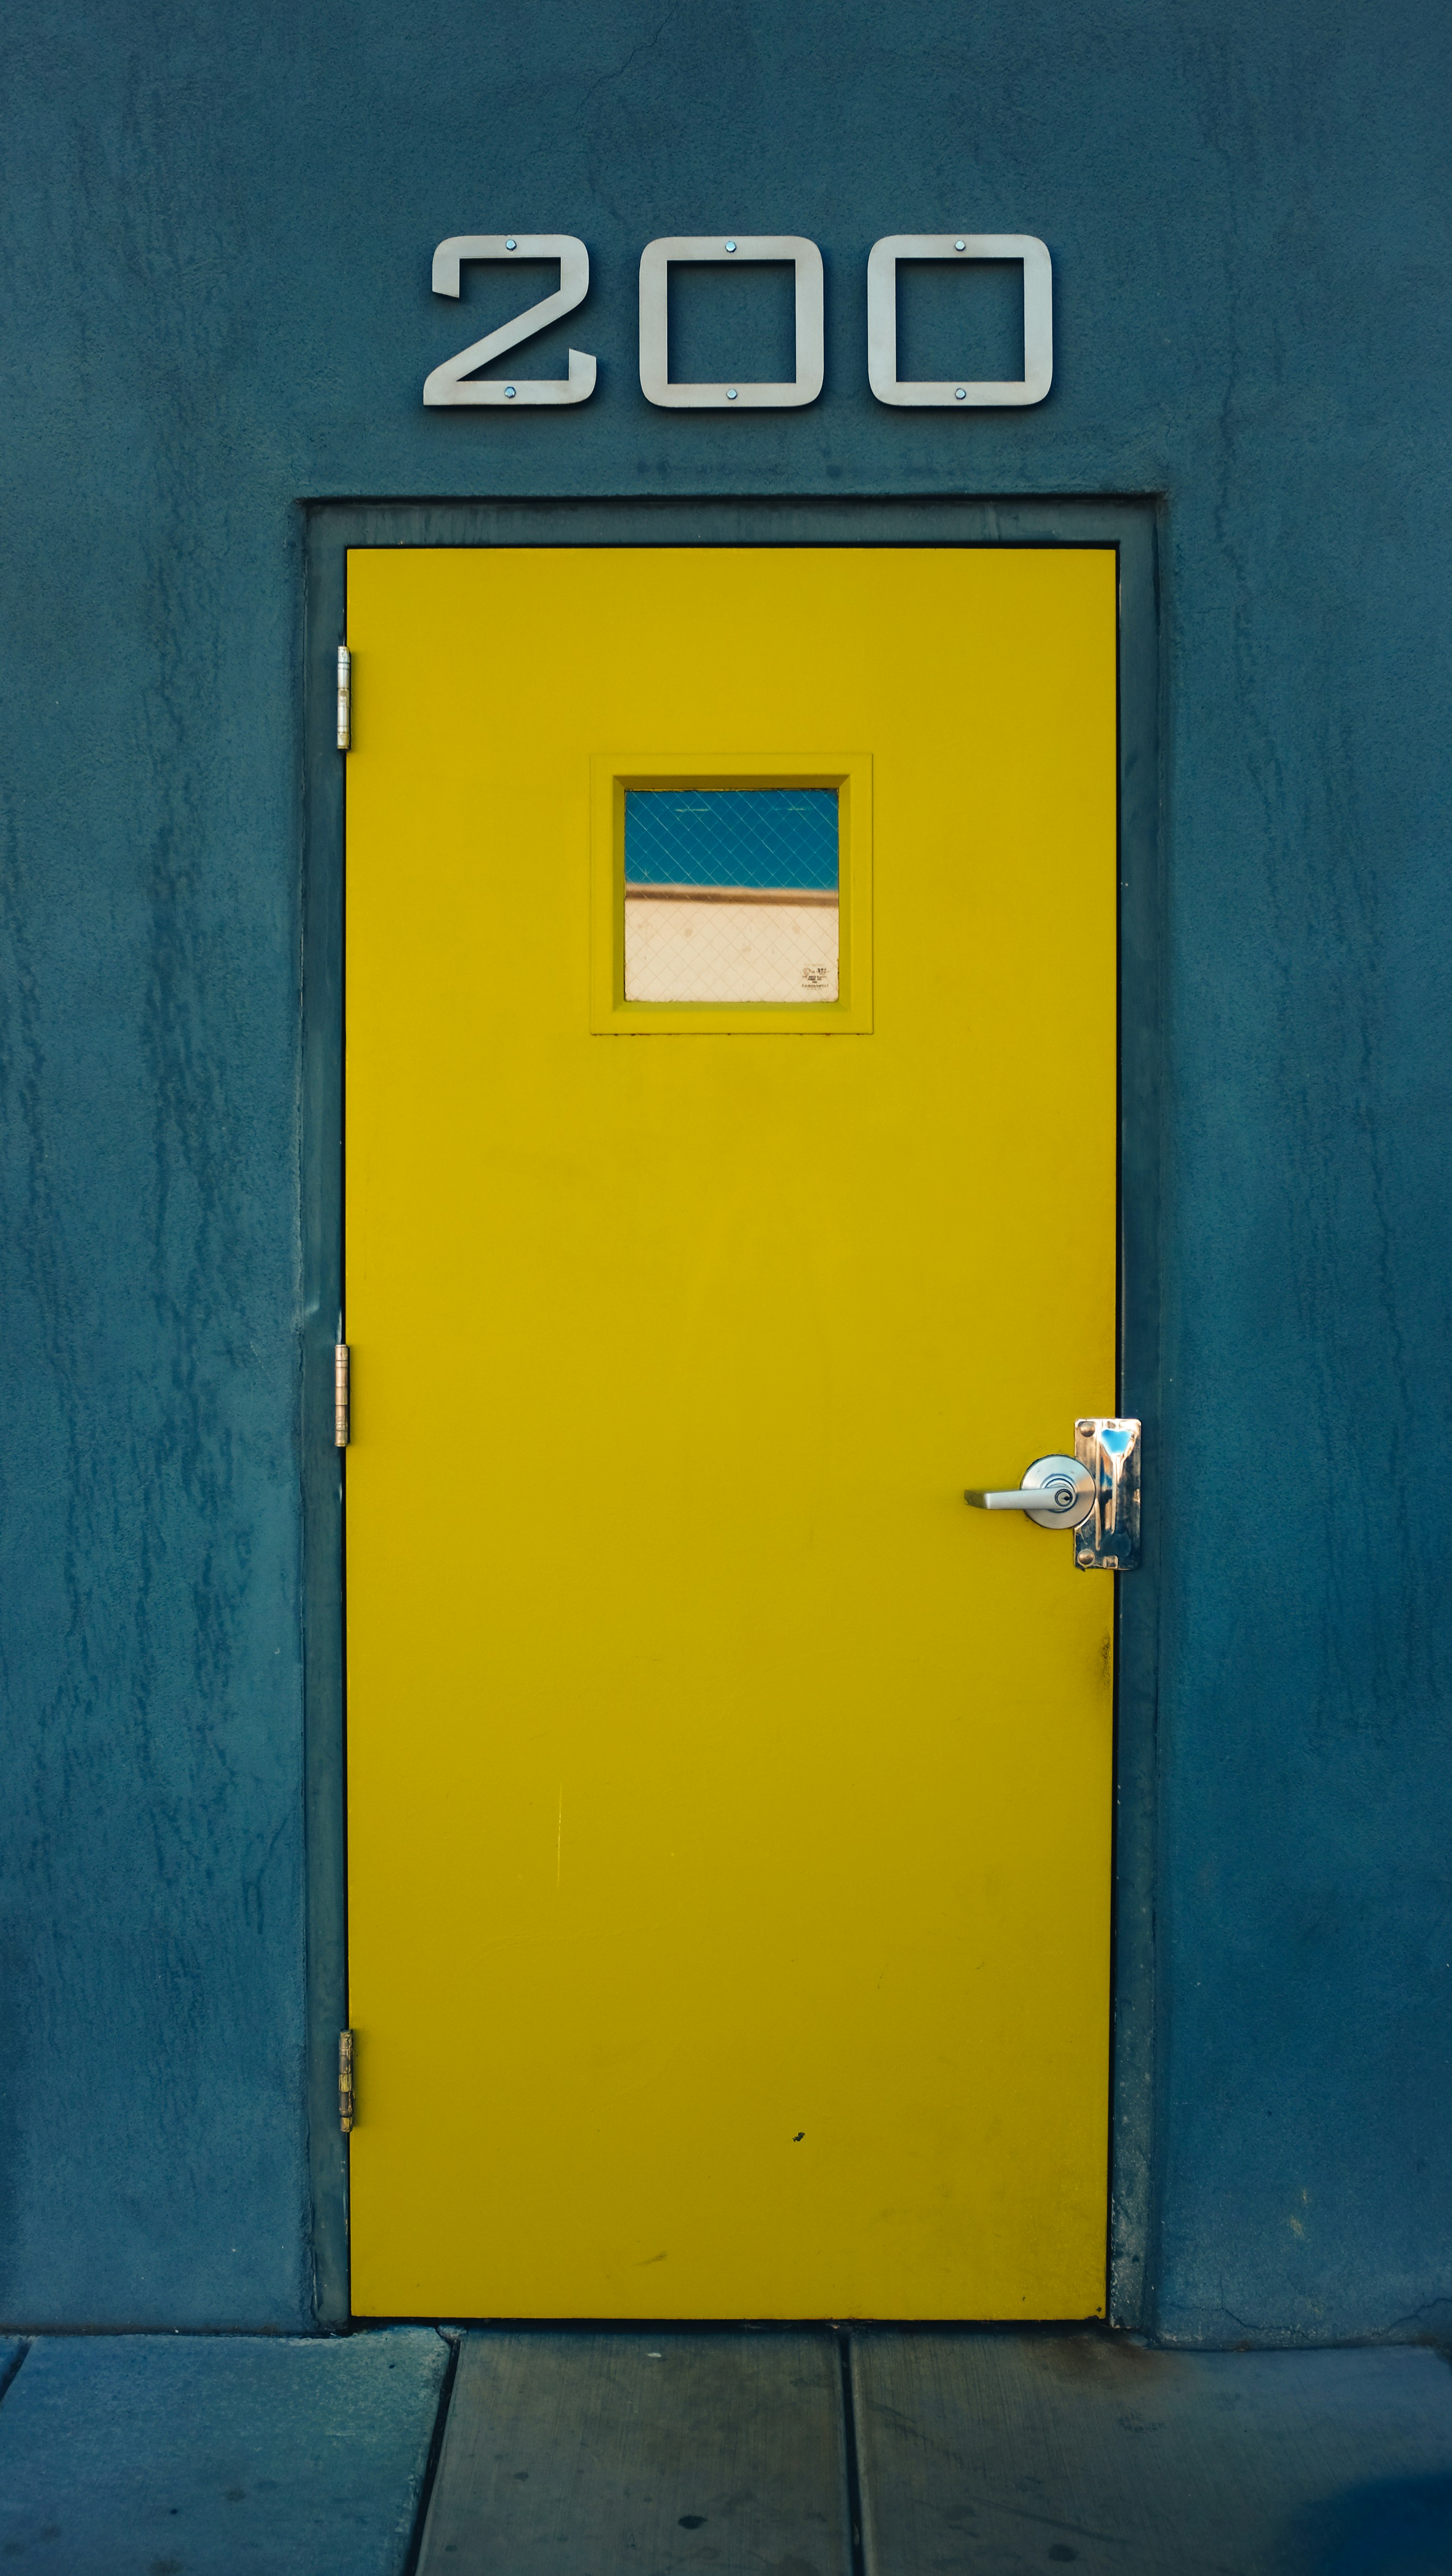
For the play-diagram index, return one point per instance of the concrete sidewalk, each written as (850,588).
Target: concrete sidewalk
(743,2452)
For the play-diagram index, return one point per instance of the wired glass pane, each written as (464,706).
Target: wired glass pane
(731,894)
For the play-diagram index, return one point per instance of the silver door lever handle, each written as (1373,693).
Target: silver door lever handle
(1059,1492)
(1095,1493)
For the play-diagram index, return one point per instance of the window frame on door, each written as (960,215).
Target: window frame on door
(612,776)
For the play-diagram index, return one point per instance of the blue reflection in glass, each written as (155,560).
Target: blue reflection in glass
(779,837)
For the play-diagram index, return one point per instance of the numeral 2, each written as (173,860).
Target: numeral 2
(450,383)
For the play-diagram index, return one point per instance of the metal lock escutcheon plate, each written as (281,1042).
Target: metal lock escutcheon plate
(1108,1540)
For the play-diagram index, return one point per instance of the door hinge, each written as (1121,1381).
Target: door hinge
(345,2081)
(345,698)
(340,1395)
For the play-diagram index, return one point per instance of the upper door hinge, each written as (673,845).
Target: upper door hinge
(340,1395)
(345,698)
(345,2081)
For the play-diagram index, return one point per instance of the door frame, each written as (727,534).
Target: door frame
(1132,527)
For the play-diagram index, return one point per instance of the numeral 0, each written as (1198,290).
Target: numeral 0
(655,376)
(453,383)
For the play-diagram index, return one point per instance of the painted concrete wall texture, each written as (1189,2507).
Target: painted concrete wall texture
(218,229)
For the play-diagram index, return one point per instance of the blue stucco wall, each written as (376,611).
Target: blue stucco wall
(218,222)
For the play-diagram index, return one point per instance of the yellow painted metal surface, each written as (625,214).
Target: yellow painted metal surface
(729,1806)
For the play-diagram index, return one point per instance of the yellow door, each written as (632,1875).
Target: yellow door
(729,1807)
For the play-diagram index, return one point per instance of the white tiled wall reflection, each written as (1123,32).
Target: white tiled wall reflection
(735,945)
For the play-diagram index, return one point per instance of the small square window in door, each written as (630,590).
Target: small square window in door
(731,894)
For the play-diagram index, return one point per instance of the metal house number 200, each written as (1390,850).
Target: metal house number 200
(454,381)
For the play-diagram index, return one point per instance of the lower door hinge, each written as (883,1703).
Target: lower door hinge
(345,2081)
(345,698)
(340,1395)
